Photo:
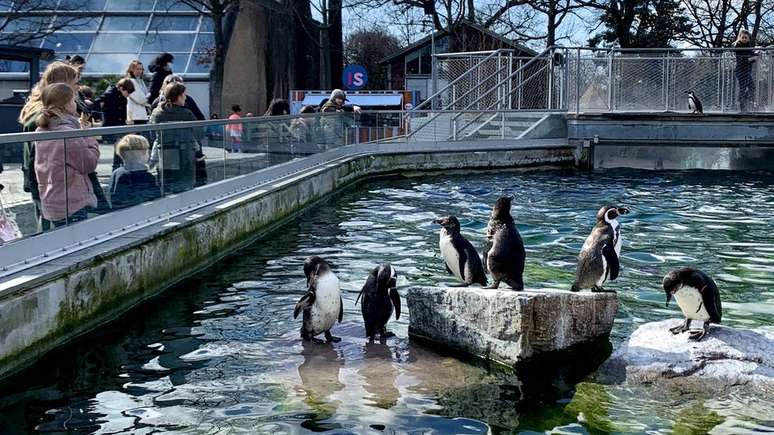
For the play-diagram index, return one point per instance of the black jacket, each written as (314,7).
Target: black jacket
(190,104)
(159,74)
(128,188)
(113,106)
(743,58)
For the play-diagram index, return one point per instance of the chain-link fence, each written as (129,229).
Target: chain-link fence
(605,80)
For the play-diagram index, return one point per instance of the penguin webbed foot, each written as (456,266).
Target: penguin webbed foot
(385,334)
(330,338)
(575,288)
(599,289)
(700,334)
(494,285)
(679,329)
(317,341)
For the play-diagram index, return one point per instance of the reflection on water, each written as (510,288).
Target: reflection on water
(220,353)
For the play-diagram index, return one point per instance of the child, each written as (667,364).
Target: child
(64,197)
(132,183)
(235,130)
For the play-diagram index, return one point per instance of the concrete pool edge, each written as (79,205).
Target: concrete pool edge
(51,304)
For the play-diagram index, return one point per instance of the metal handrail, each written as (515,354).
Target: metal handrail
(453,82)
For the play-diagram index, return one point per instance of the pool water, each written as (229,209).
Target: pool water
(220,353)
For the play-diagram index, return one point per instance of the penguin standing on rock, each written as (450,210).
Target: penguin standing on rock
(460,256)
(698,298)
(598,260)
(380,296)
(504,254)
(322,303)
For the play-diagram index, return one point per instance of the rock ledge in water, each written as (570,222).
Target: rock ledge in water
(508,326)
(726,357)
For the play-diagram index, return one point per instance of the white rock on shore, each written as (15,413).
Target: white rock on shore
(726,357)
(508,326)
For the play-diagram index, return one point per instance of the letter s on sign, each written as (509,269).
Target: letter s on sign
(358,79)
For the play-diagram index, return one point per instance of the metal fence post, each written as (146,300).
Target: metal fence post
(550,78)
(510,81)
(610,56)
(518,84)
(577,83)
(665,89)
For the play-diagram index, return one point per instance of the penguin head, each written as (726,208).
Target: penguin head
(610,213)
(690,93)
(386,277)
(502,208)
(314,266)
(672,283)
(450,223)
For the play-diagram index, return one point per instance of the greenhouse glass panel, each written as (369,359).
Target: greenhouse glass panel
(112,42)
(70,42)
(134,5)
(82,5)
(76,24)
(168,42)
(108,63)
(173,5)
(132,22)
(166,23)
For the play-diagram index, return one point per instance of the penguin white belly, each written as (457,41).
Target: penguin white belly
(617,237)
(327,303)
(450,255)
(603,276)
(690,302)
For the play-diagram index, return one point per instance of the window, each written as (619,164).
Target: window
(134,5)
(27,24)
(132,22)
(164,24)
(172,5)
(79,24)
(108,63)
(13,66)
(412,66)
(81,5)
(69,42)
(112,42)
(168,42)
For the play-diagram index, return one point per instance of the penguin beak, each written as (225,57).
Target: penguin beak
(669,298)
(623,210)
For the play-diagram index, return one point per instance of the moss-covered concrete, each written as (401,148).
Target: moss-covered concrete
(77,294)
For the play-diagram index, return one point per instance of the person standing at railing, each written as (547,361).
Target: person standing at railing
(62,166)
(234,131)
(175,150)
(335,128)
(160,68)
(137,106)
(132,183)
(113,106)
(56,72)
(745,57)
(190,103)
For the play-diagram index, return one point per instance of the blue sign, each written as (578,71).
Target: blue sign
(355,77)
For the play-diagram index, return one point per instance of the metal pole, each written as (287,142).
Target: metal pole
(722,86)
(518,85)
(610,56)
(720,82)
(434,65)
(510,81)
(665,89)
(577,83)
(550,78)
(563,104)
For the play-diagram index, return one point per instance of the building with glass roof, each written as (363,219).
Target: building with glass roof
(109,34)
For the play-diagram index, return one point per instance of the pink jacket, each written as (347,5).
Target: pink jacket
(81,156)
(234,130)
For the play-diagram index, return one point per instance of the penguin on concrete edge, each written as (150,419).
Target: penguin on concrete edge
(459,255)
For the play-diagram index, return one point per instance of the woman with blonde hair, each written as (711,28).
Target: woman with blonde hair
(137,101)
(62,172)
(56,72)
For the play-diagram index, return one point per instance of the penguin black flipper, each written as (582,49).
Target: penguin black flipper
(461,245)
(305,302)
(715,310)
(341,309)
(487,248)
(447,269)
(395,298)
(608,251)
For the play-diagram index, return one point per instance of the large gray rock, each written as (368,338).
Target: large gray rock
(726,357)
(508,326)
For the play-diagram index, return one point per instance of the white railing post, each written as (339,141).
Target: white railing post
(577,82)
(610,86)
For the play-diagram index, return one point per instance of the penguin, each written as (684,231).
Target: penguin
(460,256)
(380,296)
(322,303)
(504,254)
(694,103)
(598,260)
(698,298)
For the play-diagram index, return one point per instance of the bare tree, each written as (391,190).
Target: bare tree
(367,48)
(216,10)
(24,22)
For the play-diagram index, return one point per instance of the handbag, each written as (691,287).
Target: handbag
(9,230)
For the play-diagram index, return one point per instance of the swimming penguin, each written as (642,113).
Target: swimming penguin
(322,304)
(694,103)
(598,259)
(460,256)
(504,254)
(380,295)
(698,298)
